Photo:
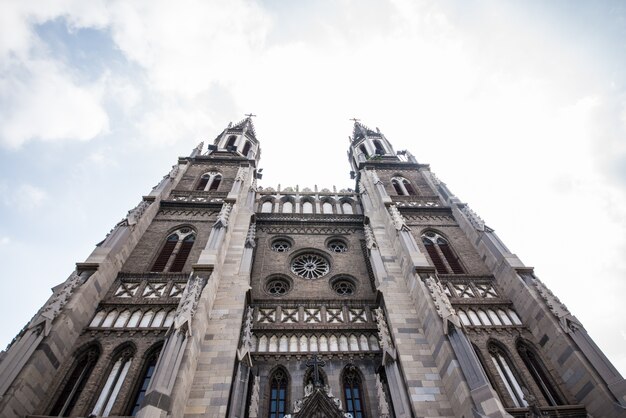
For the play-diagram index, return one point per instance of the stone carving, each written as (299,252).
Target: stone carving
(398,220)
(319,400)
(135,214)
(222,218)
(54,305)
(435,179)
(253,411)
(383,407)
(442,303)
(383,330)
(189,301)
(241,174)
(250,243)
(246,338)
(370,240)
(362,187)
(473,218)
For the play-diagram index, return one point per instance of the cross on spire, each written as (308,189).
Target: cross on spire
(355,120)
(249,115)
(316,364)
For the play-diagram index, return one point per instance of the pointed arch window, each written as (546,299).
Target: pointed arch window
(363,150)
(76,381)
(436,246)
(327,208)
(144,380)
(380,150)
(508,374)
(307,207)
(538,371)
(246,148)
(175,251)
(111,389)
(353,392)
(347,208)
(231,141)
(209,181)
(278,394)
(287,207)
(403,187)
(266,207)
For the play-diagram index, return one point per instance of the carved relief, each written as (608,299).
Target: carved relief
(398,220)
(383,330)
(370,240)
(54,305)
(189,301)
(222,218)
(442,303)
(473,218)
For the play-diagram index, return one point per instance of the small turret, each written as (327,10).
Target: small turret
(367,144)
(239,138)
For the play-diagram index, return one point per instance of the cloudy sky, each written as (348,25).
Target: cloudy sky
(520,107)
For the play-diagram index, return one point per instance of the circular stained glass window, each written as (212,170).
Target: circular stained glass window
(277,287)
(310,266)
(337,246)
(281,245)
(344,287)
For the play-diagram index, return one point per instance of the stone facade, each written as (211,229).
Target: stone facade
(215,297)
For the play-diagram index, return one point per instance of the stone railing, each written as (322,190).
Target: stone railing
(196,196)
(417,201)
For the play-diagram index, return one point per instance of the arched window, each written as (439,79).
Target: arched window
(402,186)
(380,150)
(538,371)
(204,179)
(175,251)
(209,181)
(246,149)
(278,393)
(83,366)
(408,187)
(266,207)
(307,207)
(363,151)
(327,208)
(113,383)
(435,245)
(508,374)
(144,380)
(347,208)
(287,207)
(353,392)
(231,141)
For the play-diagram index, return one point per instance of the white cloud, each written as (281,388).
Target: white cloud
(43,102)
(24,197)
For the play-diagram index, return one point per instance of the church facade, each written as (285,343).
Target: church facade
(216,297)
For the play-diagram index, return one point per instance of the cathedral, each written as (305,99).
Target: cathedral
(216,297)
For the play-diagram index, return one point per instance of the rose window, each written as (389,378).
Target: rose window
(310,266)
(337,246)
(277,287)
(281,245)
(344,288)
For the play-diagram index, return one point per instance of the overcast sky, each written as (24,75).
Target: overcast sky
(520,107)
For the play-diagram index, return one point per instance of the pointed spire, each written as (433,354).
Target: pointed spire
(244,125)
(361,131)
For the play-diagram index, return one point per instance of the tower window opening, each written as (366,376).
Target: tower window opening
(231,141)
(175,251)
(307,207)
(246,149)
(436,245)
(287,207)
(209,181)
(266,207)
(144,381)
(327,208)
(353,393)
(278,394)
(380,150)
(347,208)
(363,150)
(216,182)
(539,374)
(76,383)
(403,187)
(113,384)
(505,370)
